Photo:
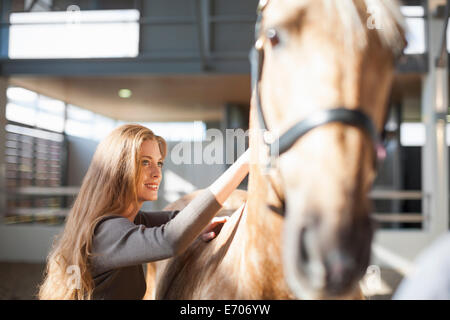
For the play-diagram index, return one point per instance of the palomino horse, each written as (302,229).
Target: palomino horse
(322,75)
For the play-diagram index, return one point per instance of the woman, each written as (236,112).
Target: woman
(106,238)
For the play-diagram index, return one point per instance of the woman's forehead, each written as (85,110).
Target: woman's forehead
(150,148)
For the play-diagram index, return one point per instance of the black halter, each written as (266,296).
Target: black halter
(319,118)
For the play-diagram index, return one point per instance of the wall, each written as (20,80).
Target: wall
(80,155)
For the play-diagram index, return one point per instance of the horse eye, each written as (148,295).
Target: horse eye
(272,35)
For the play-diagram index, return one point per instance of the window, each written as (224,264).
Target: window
(415,23)
(79,122)
(87,124)
(412,134)
(36,150)
(30,108)
(74,34)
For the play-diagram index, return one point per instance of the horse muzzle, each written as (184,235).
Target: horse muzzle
(326,262)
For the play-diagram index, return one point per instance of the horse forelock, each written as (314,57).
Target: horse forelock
(356,19)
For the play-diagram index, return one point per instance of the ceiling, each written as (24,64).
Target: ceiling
(154,98)
(166,98)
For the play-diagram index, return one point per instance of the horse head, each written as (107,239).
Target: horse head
(322,76)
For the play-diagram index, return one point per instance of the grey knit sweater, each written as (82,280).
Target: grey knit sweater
(120,247)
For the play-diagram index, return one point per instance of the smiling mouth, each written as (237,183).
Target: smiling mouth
(151,186)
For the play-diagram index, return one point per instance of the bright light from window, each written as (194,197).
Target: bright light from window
(76,113)
(415,36)
(34,133)
(20,114)
(103,126)
(50,121)
(50,105)
(21,94)
(415,33)
(448,37)
(78,129)
(69,34)
(412,134)
(412,11)
(86,124)
(178,131)
(30,108)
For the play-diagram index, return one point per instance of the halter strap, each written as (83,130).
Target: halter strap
(319,118)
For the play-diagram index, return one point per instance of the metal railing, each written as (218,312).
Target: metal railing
(52,215)
(73,191)
(44,191)
(399,217)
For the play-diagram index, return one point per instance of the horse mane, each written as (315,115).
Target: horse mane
(357,18)
(391,21)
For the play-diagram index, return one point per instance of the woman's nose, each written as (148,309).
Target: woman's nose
(156,172)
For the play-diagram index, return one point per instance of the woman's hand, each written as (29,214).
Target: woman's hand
(209,233)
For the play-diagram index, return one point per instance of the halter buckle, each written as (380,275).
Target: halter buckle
(265,159)
(269,157)
(268,137)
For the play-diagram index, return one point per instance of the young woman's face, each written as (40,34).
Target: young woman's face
(151,163)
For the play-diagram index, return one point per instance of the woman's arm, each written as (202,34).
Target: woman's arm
(230,179)
(119,243)
(154,218)
(192,220)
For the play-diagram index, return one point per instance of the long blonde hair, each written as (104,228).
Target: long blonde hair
(108,188)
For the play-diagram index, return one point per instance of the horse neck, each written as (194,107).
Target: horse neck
(261,193)
(263,226)
(256,248)
(260,245)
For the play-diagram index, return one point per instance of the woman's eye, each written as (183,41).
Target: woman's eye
(145,162)
(160,164)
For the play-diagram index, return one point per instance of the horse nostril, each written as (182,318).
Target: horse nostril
(304,257)
(309,257)
(338,268)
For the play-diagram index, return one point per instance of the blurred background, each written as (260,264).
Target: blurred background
(71,71)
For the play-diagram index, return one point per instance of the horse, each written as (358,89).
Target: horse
(321,74)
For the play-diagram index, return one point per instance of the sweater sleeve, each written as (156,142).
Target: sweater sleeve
(154,218)
(117,242)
